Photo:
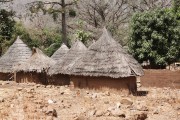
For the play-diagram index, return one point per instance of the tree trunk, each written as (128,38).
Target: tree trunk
(64,32)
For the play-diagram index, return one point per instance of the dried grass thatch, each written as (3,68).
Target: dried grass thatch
(106,57)
(38,62)
(63,65)
(60,52)
(17,53)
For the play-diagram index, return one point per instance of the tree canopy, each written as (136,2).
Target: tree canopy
(155,36)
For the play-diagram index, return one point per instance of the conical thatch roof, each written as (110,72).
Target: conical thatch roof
(60,52)
(17,53)
(106,57)
(63,65)
(38,62)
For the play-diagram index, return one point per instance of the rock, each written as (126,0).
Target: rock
(126,101)
(106,102)
(140,116)
(29,90)
(91,113)
(118,113)
(99,113)
(118,105)
(1,100)
(142,108)
(51,101)
(38,101)
(19,89)
(38,85)
(48,86)
(107,93)
(67,92)
(156,111)
(81,117)
(94,95)
(51,112)
(62,92)
(111,109)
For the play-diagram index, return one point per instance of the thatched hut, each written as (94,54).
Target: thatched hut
(106,64)
(35,69)
(17,53)
(59,71)
(60,52)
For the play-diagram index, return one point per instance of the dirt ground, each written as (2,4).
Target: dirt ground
(39,102)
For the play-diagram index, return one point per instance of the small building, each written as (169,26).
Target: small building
(106,65)
(60,52)
(59,72)
(17,53)
(35,69)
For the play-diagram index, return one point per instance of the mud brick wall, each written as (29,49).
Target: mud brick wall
(161,78)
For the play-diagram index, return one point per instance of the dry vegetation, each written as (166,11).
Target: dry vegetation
(38,102)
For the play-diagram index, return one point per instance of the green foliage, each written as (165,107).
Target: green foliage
(47,40)
(6,28)
(82,35)
(155,36)
(176,8)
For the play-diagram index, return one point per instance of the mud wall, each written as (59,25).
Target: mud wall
(161,78)
(128,83)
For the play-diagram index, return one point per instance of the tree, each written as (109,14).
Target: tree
(145,5)
(155,36)
(6,27)
(114,14)
(176,8)
(54,8)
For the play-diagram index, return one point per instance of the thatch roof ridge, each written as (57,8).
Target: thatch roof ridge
(63,65)
(17,53)
(38,62)
(106,57)
(60,52)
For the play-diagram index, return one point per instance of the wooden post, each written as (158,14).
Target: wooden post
(15,76)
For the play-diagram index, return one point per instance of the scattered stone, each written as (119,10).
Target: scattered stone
(118,105)
(156,111)
(38,101)
(51,101)
(94,95)
(91,113)
(1,100)
(126,101)
(118,113)
(48,86)
(106,102)
(140,116)
(142,108)
(99,113)
(38,85)
(107,93)
(51,112)
(19,89)
(62,92)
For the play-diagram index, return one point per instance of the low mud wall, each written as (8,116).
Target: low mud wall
(161,78)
